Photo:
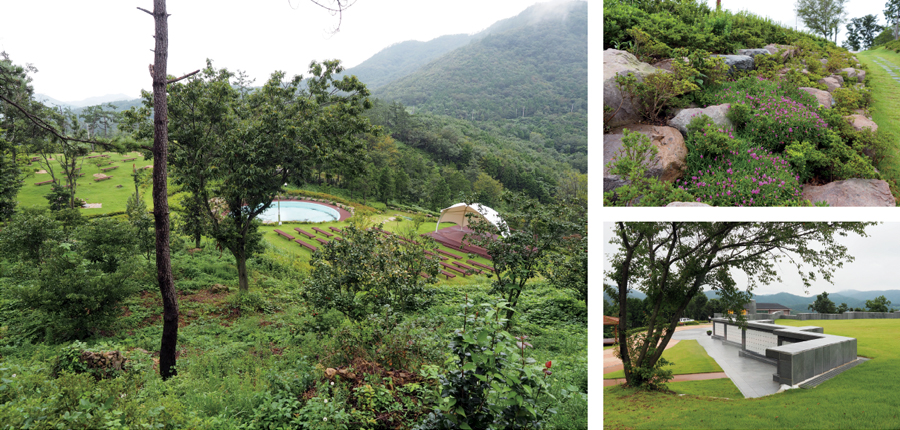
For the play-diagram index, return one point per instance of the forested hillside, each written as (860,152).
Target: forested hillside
(536,65)
(403,58)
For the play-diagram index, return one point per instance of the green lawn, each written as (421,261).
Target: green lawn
(722,387)
(687,357)
(885,104)
(865,396)
(104,192)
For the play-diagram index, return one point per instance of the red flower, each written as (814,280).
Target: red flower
(548,364)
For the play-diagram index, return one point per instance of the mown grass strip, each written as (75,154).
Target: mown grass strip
(885,106)
(688,357)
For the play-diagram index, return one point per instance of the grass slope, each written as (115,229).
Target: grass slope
(885,103)
(863,397)
(105,192)
(687,357)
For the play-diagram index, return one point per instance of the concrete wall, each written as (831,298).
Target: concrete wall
(798,353)
(849,315)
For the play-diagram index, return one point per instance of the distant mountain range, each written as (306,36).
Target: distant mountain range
(799,304)
(92,101)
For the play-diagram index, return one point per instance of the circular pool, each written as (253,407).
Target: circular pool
(300,211)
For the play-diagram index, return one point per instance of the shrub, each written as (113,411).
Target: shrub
(708,138)
(753,177)
(368,270)
(491,383)
(637,156)
(659,90)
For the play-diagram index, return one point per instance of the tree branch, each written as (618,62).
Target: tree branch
(172,81)
(145,10)
(47,127)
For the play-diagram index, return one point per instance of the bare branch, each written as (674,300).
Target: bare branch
(172,81)
(145,10)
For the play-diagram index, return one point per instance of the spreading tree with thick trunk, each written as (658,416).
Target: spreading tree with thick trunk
(672,262)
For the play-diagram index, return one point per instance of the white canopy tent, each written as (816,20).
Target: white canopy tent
(457,214)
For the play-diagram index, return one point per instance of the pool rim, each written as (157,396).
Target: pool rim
(344,214)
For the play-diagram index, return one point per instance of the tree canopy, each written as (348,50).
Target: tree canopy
(822,16)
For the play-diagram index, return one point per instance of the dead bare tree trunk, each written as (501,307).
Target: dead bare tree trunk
(160,200)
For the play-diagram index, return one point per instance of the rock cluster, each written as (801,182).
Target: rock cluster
(671,153)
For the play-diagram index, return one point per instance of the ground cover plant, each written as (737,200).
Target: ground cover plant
(867,398)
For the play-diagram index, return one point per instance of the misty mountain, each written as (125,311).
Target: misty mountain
(401,59)
(50,101)
(531,65)
(800,304)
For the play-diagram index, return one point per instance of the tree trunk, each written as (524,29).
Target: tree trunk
(160,197)
(243,282)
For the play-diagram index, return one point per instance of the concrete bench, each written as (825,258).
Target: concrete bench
(44,183)
(129,159)
(424,275)
(322,241)
(383,231)
(336,230)
(327,234)
(281,233)
(304,232)
(109,168)
(306,245)
(447,274)
(449,254)
(483,266)
(102,179)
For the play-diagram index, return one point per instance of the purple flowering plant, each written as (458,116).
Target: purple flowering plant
(775,122)
(743,177)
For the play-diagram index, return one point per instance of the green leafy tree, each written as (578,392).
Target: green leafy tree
(529,234)
(139,216)
(401,184)
(823,305)
(853,41)
(488,190)
(696,309)
(671,262)
(868,29)
(842,308)
(822,16)
(713,307)
(879,304)
(386,184)
(569,267)
(892,15)
(368,270)
(234,148)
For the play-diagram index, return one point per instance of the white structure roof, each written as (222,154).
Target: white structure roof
(457,214)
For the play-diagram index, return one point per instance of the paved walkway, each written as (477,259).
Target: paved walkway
(752,377)
(888,67)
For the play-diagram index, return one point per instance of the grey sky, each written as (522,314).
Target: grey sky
(876,257)
(91,48)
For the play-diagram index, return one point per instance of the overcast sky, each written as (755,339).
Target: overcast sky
(92,48)
(873,269)
(783,11)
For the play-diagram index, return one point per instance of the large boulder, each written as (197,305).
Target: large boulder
(839,78)
(615,63)
(851,192)
(737,62)
(786,51)
(824,97)
(753,52)
(831,83)
(717,113)
(860,75)
(861,122)
(669,164)
(687,205)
